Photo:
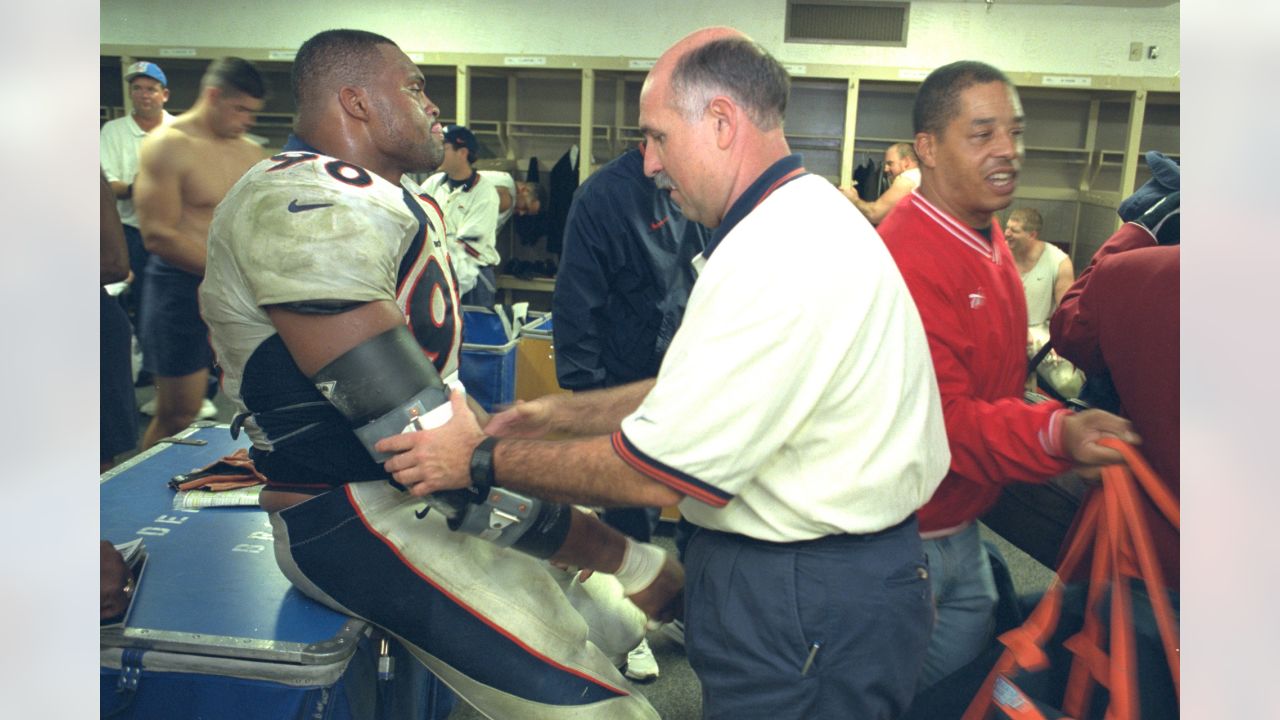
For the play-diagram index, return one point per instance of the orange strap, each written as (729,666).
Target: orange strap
(1091,664)
(1152,575)
(1146,477)
(1112,522)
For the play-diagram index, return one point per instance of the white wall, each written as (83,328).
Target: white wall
(1018,37)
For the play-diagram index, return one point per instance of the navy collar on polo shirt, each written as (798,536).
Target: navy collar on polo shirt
(751,197)
(466,183)
(297,144)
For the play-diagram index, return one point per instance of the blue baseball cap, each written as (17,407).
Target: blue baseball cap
(150,69)
(460,137)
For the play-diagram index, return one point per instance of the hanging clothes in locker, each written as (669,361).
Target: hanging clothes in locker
(862,175)
(530,229)
(869,189)
(564,180)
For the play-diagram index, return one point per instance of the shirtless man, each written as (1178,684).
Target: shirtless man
(185,170)
(903,170)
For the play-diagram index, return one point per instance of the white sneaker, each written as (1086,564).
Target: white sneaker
(208,410)
(641,664)
(675,631)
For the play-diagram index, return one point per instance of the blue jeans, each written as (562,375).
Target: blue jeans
(138,264)
(829,628)
(485,293)
(964,598)
(117,408)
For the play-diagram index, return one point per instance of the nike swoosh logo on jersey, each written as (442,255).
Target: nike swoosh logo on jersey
(294,207)
(659,223)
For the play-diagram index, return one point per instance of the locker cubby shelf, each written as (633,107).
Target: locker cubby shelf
(1084,145)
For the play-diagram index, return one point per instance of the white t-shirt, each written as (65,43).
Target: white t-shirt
(789,420)
(910,176)
(1038,284)
(118,146)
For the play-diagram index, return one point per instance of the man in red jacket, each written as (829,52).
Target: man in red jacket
(1121,317)
(968,135)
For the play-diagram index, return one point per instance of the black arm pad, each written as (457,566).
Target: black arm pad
(378,376)
(381,385)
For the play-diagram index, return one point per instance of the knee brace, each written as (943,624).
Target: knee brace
(385,386)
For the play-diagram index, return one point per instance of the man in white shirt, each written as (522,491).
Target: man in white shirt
(903,170)
(470,205)
(798,441)
(118,153)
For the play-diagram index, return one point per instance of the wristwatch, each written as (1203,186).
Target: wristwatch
(482,479)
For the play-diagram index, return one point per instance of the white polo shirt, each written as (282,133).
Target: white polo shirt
(786,419)
(118,146)
(471,224)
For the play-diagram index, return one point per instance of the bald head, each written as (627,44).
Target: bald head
(711,110)
(721,61)
(689,42)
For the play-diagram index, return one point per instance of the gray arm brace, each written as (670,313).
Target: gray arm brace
(383,386)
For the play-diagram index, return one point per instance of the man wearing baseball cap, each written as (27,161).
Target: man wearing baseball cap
(470,205)
(118,154)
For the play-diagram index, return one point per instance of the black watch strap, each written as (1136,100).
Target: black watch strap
(482,469)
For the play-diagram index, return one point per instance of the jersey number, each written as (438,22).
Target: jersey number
(341,171)
(432,314)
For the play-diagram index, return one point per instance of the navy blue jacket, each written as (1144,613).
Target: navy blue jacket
(624,277)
